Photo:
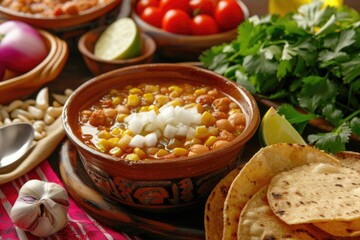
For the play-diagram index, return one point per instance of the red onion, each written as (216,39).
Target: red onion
(21,47)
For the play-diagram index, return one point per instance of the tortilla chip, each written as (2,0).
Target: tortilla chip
(257,221)
(350,228)
(265,164)
(213,218)
(340,229)
(316,192)
(349,159)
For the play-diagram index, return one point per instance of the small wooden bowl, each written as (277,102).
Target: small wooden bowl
(99,66)
(185,47)
(27,83)
(63,21)
(158,185)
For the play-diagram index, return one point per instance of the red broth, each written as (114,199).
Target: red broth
(162,121)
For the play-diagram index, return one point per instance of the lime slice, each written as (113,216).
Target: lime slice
(276,129)
(120,40)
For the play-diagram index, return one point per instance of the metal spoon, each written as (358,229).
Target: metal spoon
(15,142)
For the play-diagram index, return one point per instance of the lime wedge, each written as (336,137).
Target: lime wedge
(276,129)
(120,40)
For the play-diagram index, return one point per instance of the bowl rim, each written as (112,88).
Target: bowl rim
(61,21)
(221,35)
(151,48)
(248,132)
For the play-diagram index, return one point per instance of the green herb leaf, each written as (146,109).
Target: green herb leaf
(332,142)
(332,114)
(316,92)
(355,126)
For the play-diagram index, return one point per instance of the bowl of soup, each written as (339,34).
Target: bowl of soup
(159,136)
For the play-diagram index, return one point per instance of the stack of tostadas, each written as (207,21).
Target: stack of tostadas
(288,191)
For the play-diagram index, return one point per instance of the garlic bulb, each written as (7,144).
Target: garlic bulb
(41,208)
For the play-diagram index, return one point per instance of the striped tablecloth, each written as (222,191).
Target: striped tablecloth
(79,225)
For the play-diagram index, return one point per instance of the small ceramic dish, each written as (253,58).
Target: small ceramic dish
(22,85)
(158,185)
(185,47)
(98,66)
(61,21)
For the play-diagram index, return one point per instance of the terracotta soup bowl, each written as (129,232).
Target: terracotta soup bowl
(151,183)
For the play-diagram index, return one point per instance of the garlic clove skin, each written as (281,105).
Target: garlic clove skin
(41,208)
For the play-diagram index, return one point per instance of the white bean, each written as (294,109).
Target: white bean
(14,104)
(18,111)
(48,119)
(42,99)
(36,112)
(17,120)
(7,121)
(54,111)
(68,92)
(38,136)
(4,114)
(22,118)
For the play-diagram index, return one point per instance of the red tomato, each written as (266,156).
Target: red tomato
(166,5)
(228,14)
(202,7)
(142,4)
(203,24)
(176,21)
(152,15)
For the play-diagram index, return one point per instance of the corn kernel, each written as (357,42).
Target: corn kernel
(133,100)
(104,134)
(116,131)
(175,94)
(200,91)
(116,101)
(190,105)
(132,156)
(121,117)
(207,118)
(162,153)
(116,151)
(201,132)
(113,141)
(140,152)
(192,142)
(103,145)
(180,151)
(144,109)
(124,141)
(135,91)
(175,103)
(162,99)
(151,88)
(153,107)
(176,88)
(127,132)
(148,98)
(210,141)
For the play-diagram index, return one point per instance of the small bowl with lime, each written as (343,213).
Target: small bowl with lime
(115,46)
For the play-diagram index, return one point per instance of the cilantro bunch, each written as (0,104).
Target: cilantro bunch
(308,59)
